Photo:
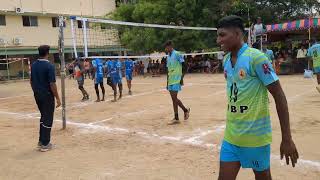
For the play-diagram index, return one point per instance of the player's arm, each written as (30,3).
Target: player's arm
(184,67)
(287,148)
(53,86)
(167,77)
(268,77)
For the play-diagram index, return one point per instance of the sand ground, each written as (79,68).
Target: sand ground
(131,140)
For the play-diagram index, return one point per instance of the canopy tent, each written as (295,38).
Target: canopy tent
(303,24)
(298,29)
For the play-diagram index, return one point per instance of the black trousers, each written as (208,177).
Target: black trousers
(46,103)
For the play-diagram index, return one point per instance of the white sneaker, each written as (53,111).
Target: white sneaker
(46,148)
(173,122)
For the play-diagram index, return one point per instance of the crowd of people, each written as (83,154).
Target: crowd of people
(290,59)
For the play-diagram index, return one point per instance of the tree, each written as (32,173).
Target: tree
(204,13)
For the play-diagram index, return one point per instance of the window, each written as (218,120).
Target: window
(55,22)
(30,21)
(80,24)
(2,20)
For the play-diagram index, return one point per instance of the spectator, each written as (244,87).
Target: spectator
(153,67)
(141,68)
(220,56)
(43,83)
(258,30)
(157,67)
(149,66)
(302,52)
(207,66)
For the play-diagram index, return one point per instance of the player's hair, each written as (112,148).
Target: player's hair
(43,50)
(231,22)
(168,43)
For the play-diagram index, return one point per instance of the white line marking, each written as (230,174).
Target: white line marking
(102,121)
(193,141)
(119,115)
(301,162)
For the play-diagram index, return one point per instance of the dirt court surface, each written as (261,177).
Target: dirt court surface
(130,139)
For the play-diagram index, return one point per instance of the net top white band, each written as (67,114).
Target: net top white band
(108,21)
(125,23)
(147,56)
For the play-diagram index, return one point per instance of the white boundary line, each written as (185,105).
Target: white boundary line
(193,140)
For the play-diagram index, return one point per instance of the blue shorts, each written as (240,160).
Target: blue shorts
(129,76)
(174,87)
(116,80)
(316,70)
(98,80)
(256,158)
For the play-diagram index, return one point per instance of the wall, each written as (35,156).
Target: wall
(70,7)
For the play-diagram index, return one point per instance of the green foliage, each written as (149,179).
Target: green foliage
(205,13)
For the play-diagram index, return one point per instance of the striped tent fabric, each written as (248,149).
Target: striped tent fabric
(295,25)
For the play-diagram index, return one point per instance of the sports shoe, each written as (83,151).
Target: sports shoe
(174,121)
(130,92)
(46,148)
(318,88)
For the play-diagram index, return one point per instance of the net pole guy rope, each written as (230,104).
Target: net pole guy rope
(62,72)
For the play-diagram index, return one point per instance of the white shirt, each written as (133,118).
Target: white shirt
(208,64)
(258,29)
(301,53)
(220,55)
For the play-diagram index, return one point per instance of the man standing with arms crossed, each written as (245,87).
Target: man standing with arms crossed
(43,83)
(176,71)
(248,133)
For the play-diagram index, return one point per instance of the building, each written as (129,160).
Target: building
(26,24)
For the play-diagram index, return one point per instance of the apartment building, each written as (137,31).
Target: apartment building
(26,24)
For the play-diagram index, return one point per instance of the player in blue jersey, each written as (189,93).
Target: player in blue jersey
(118,79)
(108,68)
(98,78)
(112,77)
(129,65)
